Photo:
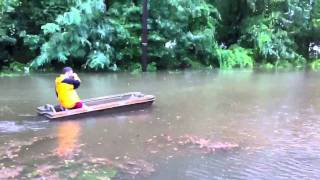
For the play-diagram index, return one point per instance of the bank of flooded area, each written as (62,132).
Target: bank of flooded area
(203,125)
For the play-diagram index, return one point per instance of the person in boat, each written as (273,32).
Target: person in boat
(66,85)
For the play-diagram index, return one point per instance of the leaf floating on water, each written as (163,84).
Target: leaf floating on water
(153,152)
(103,161)
(149,140)
(169,157)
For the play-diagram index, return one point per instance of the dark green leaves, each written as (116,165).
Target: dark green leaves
(182,33)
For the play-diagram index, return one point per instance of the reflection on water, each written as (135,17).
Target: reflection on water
(274,117)
(68,134)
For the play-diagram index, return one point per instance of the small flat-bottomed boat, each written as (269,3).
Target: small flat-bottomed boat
(108,103)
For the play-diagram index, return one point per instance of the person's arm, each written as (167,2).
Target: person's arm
(75,82)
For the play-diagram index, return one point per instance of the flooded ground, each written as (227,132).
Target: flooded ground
(271,118)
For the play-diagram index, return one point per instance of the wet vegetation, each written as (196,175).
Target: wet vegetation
(97,35)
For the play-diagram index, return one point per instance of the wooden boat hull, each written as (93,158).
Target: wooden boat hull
(116,103)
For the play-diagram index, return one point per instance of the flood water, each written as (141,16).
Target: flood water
(274,117)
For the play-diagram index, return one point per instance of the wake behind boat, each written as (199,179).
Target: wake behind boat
(115,102)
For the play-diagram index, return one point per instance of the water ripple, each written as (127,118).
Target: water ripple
(14,127)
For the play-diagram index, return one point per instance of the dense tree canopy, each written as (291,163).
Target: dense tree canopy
(105,34)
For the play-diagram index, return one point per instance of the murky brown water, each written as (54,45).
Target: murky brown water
(274,117)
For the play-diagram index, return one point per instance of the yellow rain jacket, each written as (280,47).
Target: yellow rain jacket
(65,90)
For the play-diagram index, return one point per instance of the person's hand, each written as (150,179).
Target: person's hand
(76,77)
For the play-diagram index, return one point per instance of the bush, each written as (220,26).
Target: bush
(315,65)
(235,57)
(82,33)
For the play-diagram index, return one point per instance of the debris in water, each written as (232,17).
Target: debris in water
(10,172)
(202,143)
(208,144)
(13,148)
(129,166)
(153,152)
(149,140)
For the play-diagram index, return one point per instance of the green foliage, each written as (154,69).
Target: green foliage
(152,67)
(126,22)
(270,42)
(182,29)
(6,7)
(50,28)
(134,68)
(267,66)
(273,44)
(182,33)
(234,57)
(107,41)
(316,15)
(14,69)
(20,23)
(79,33)
(6,29)
(315,65)
(98,60)
(18,67)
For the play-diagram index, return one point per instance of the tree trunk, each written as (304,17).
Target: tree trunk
(106,2)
